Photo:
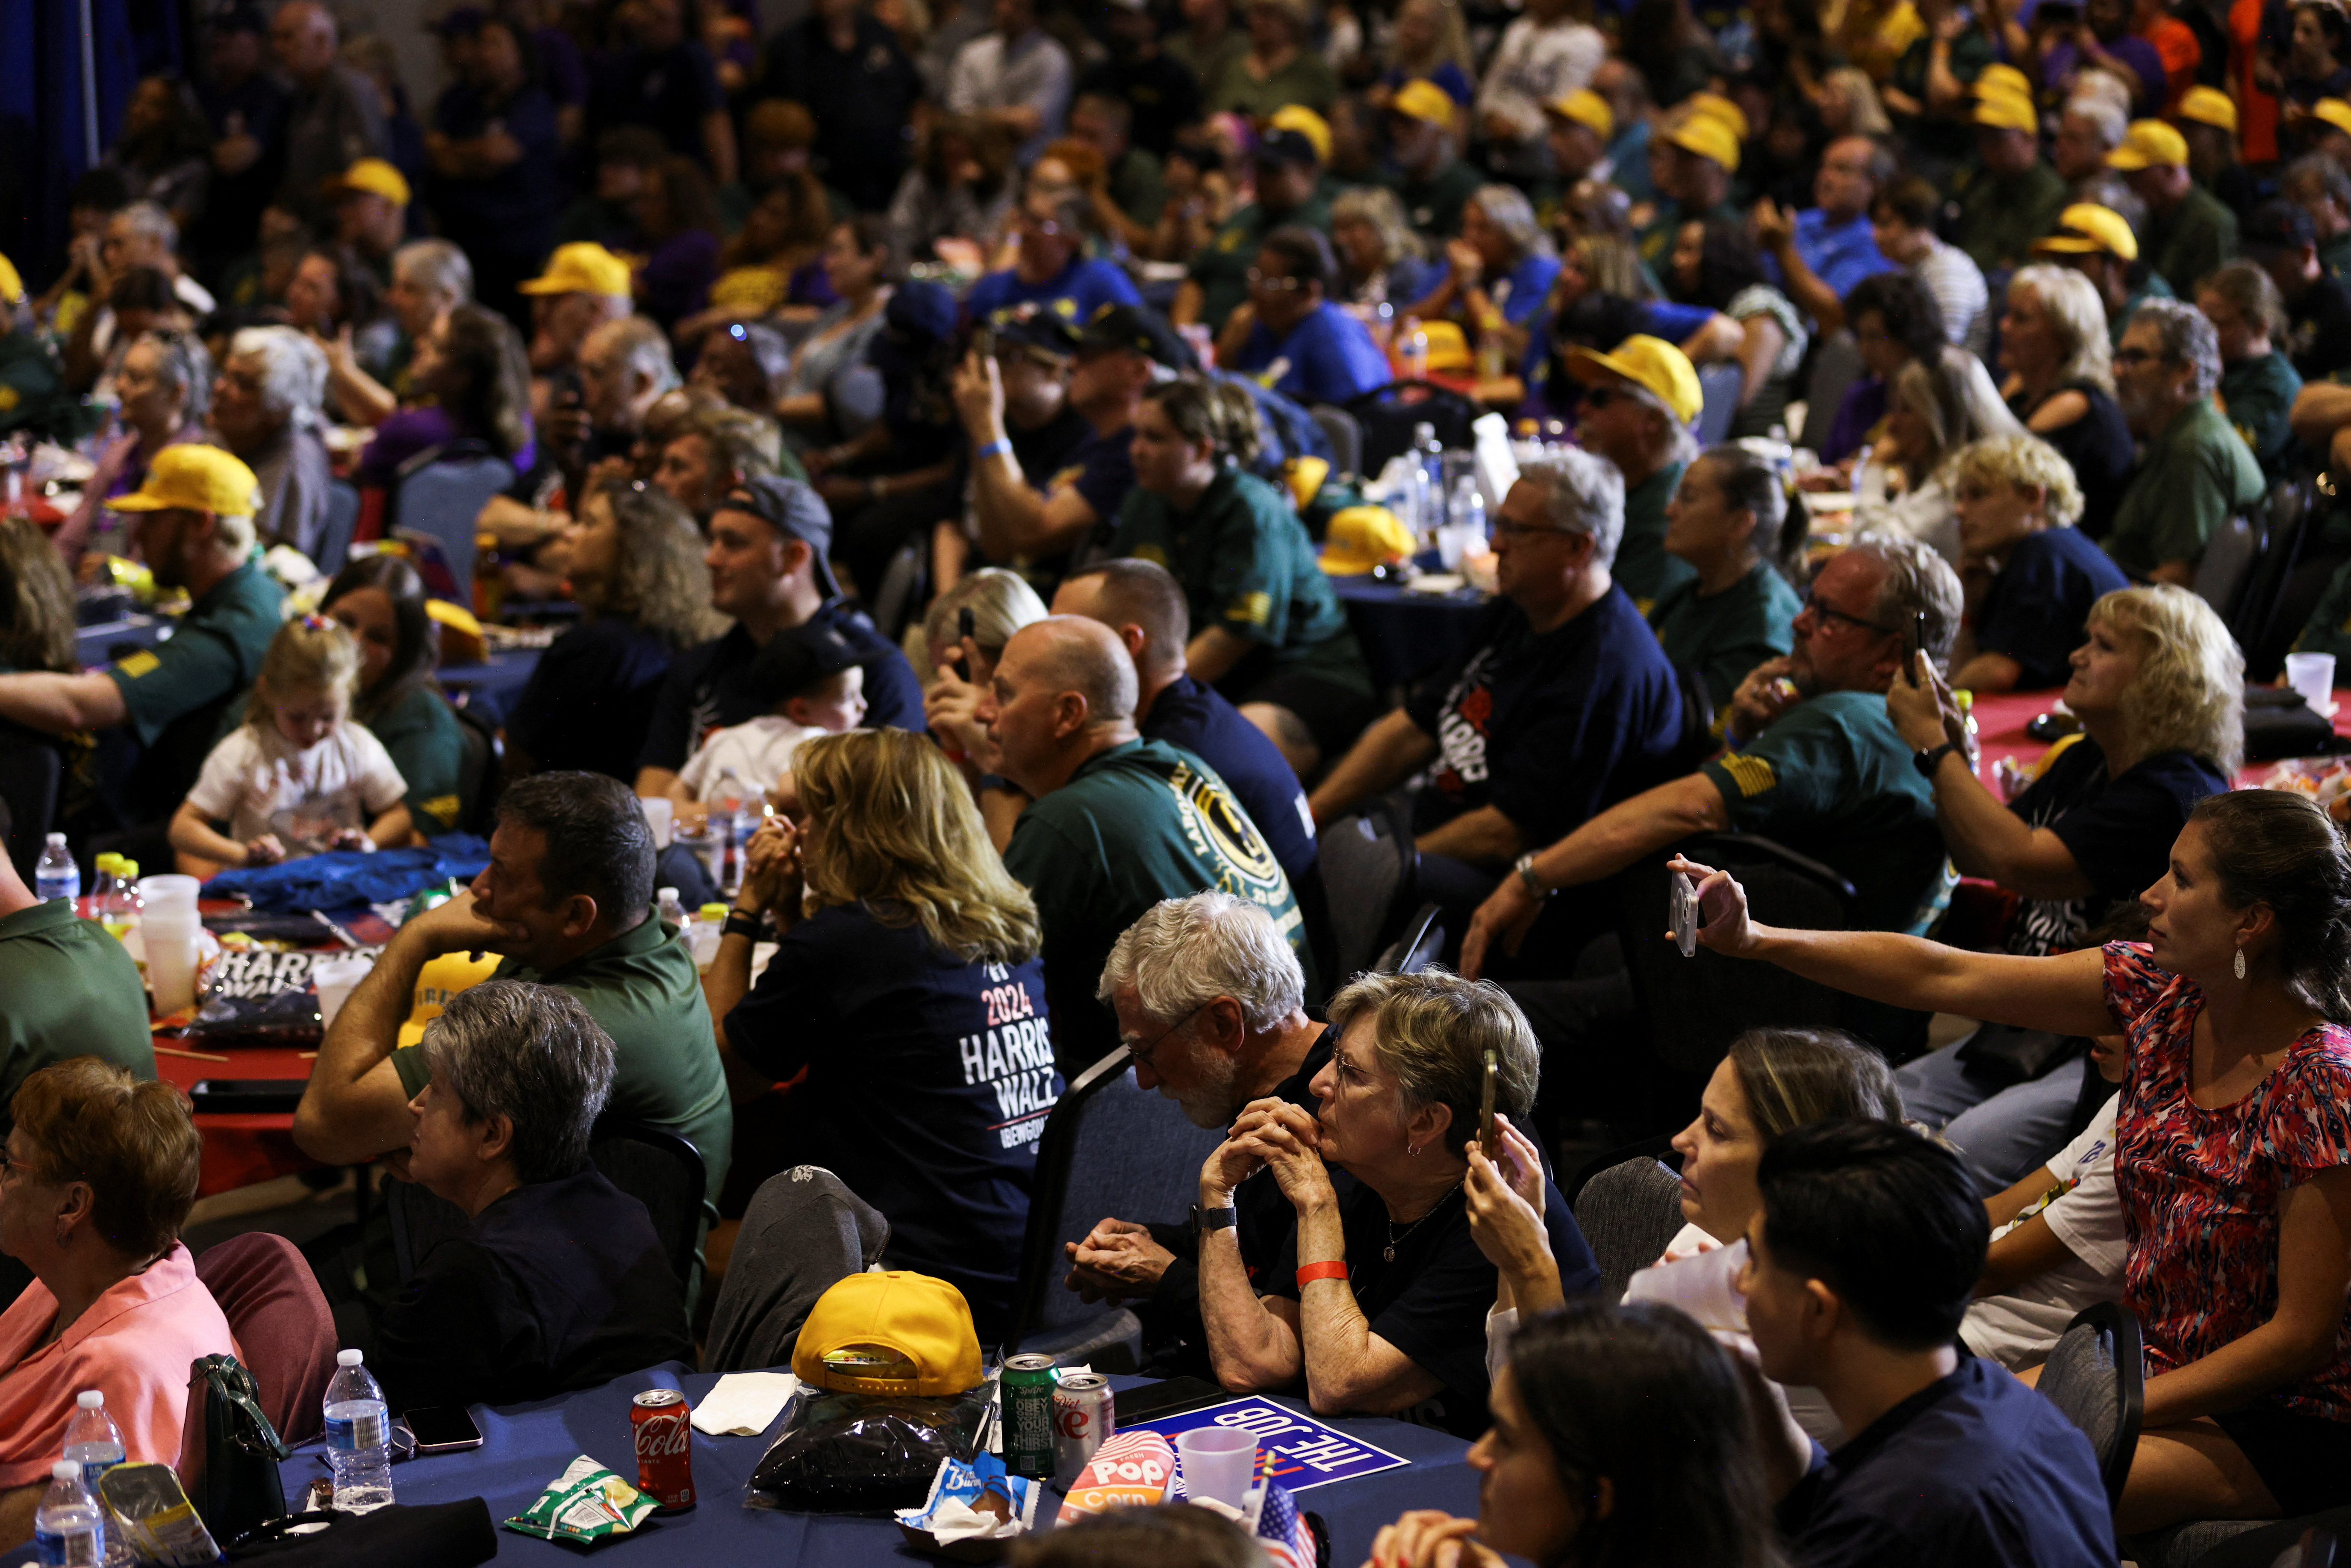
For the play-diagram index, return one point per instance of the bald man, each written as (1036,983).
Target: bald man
(336,118)
(1116,822)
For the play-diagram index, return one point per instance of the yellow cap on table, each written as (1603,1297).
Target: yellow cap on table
(1423,100)
(196,478)
(2149,144)
(12,287)
(1587,109)
(2086,226)
(1650,363)
(374,176)
(581,268)
(1362,537)
(440,980)
(895,1317)
(2211,106)
(2006,110)
(1708,138)
(1307,123)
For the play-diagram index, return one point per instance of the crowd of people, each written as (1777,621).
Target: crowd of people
(909,429)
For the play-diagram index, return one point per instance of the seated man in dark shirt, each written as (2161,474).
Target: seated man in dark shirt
(2017,503)
(1860,1263)
(559,1281)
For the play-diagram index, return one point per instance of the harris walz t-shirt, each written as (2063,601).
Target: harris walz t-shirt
(2119,832)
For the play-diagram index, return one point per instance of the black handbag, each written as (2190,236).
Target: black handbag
(229,1451)
(2012,1055)
(445,1535)
(2279,724)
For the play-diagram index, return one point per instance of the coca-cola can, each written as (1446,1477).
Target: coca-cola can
(1083,1417)
(663,1427)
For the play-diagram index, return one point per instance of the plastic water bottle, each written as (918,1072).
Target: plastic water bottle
(69,1530)
(92,1441)
(1414,350)
(57,876)
(702,937)
(122,910)
(669,908)
(359,1430)
(1465,523)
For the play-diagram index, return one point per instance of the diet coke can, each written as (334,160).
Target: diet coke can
(664,1427)
(1083,1417)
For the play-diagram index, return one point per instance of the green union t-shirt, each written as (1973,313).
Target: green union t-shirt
(1138,823)
(70,990)
(642,988)
(1724,635)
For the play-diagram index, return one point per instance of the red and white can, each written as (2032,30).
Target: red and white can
(664,1427)
(1082,1416)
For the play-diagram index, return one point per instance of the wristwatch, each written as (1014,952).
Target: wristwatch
(1208,1219)
(1525,868)
(1927,761)
(743,923)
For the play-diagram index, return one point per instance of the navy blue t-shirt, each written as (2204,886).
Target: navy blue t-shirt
(592,697)
(1201,721)
(514,207)
(2034,610)
(710,687)
(671,92)
(1975,1470)
(928,1082)
(2118,831)
(1075,293)
(1551,729)
(1328,357)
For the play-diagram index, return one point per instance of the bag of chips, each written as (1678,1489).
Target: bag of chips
(585,1504)
(156,1517)
(974,1512)
(251,995)
(863,1453)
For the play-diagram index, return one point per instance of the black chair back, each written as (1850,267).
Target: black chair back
(1421,945)
(661,1170)
(1628,1213)
(1347,438)
(2261,629)
(481,773)
(342,521)
(2096,1378)
(1719,387)
(1370,867)
(1387,414)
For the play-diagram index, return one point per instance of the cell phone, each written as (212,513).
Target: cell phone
(1486,1109)
(983,342)
(444,1429)
(965,626)
(247,1095)
(1685,914)
(1172,1397)
(1917,645)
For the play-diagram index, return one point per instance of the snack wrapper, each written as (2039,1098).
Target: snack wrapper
(585,1504)
(155,1516)
(1130,1469)
(975,1508)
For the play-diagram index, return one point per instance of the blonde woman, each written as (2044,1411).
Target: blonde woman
(906,985)
(1382,260)
(1848,103)
(2031,575)
(2159,686)
(1431,43)
(2057,355)
(1933,408)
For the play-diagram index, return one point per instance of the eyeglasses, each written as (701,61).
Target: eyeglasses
(1278,285)
(2136,356)
(1140,1054)
(1506,528)
(1827,611)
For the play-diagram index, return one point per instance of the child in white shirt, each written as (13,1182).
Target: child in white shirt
(809,677)
(298,776)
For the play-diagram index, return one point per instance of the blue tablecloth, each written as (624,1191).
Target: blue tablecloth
(94,645)
(524,1447)
(1408,635)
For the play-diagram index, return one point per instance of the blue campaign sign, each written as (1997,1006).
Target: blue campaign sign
(1292,1449)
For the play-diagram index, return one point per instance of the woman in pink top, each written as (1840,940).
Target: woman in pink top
(101,1169)
(2233,1140)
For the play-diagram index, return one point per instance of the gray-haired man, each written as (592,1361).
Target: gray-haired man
(266,409)
(2198,472)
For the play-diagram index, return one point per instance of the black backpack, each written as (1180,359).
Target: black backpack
(1388,415)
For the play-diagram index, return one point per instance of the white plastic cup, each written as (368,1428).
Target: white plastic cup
(658,813)
(335,979)
(1219,1462)
(2313,675)
(171,941)
(164,893)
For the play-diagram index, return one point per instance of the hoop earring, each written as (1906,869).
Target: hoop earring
(2240,963)
(1412,1148)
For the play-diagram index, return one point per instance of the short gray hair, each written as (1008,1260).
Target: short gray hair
(182,360)
(1507,208)
(1433,1030)
(643,346)
(2185,336)
(1185,953)
(2110,122)
(293,370)
(1917,579)
(152,219)
(529,1054)
(1583,493)
(435,264)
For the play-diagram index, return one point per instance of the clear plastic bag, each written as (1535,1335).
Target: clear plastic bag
(864,1453)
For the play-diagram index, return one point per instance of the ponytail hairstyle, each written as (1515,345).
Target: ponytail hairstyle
(1748,483)
(1791,1076)
(2279,848)
(309,654)
(1217,411)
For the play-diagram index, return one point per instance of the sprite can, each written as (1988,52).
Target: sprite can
(1028,1400)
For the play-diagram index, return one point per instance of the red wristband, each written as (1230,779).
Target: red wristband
(1313,1271)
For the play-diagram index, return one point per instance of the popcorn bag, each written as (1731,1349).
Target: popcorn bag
(1130,1469)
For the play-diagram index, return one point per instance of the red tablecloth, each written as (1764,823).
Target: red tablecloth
(2000,721)
(240,1147)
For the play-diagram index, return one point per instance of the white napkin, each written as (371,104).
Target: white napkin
(744,1403)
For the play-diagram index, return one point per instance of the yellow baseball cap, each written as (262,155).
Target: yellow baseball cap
(2149,144)
(1715,107)
(1423,100)
(198,479)
(2000,77)
(1651,364)
(1361,538)
(2335,113)
(440,980)
(376,177)
(12,287)
(2211,106)
(1307,123)
(2084,227)
(581,268)
(866,1333)
(1707,138)
(1587,109)
(2006,111)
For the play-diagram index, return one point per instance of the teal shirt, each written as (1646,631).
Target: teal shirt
(427,744)
(1221,269)
(2258,395)
(72,990)
(28,381)
(1643,567)
(1724,635)
(2194,476)
(1832,779)
(176,695)
(1137,823)
(1247,564)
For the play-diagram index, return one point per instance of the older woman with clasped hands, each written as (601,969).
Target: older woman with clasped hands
(1378,1302)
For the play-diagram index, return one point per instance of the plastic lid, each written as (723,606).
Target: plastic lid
(713,912)
(348,1358)
(65,1470)
(56,840)
(90,1399)
(666,892)
(130,867)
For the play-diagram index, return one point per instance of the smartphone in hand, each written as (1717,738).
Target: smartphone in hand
(1683,898)
(1917,646)
(1486,1140)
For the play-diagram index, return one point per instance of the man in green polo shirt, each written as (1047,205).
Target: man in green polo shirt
(1644,397)
(566,901)
(195,529)
(1288,169)
(2196,473)
(2188,232)
(29,376)
(1704,154)
(2011,198)
(1429,178)
(1114,824)
(70,990)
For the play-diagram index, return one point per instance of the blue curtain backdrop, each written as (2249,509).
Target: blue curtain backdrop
(41,145)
